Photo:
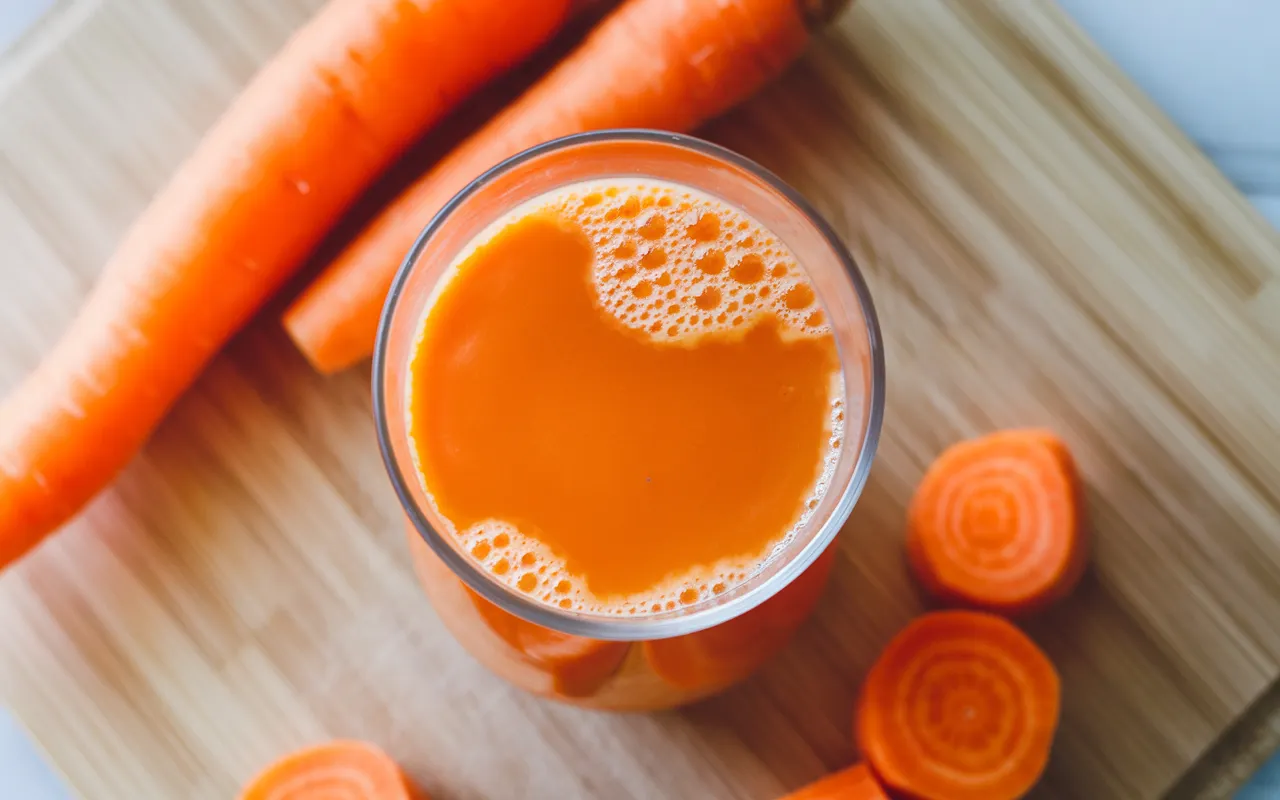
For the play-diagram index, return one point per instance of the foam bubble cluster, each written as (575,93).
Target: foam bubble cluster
(676,264)
(528,567)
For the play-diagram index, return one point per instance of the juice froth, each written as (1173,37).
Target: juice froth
(625,397)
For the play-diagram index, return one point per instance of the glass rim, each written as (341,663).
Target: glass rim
(639,627)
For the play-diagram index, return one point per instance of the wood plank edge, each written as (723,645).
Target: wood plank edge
(1146,122)
(1239,752)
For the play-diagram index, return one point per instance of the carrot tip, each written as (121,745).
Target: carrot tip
(996,523)
(613,79)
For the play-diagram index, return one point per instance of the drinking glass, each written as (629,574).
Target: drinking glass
(670,657)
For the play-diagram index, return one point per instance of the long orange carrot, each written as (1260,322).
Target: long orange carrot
(851,783)
(996,523)
(668,64)
(961,705)
(344,768)
(314,127)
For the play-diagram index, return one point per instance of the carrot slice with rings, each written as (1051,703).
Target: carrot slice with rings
(961,705)
(996,523)
(851,783)
(343,768)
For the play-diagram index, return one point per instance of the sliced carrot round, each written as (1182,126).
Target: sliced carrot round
(344,768)
(960,706)
(851,783)
(996,523)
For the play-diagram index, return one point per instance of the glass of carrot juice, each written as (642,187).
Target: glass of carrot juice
(628,386)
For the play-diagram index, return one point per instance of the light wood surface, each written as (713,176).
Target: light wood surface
(1043,249)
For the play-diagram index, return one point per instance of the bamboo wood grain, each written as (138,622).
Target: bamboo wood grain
(1044,248)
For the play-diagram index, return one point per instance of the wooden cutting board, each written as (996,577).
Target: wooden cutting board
(1043,247)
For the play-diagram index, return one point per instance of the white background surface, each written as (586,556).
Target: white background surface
(1212,65)
(17,15)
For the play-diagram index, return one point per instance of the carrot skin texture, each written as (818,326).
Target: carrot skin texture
(347,768)
(664,64)
(343,98)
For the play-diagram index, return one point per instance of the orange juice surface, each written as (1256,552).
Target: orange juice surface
(624,396)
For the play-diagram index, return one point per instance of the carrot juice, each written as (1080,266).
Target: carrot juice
(623,402)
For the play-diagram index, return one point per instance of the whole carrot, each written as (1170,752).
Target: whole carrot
(668,64)
(344,97)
